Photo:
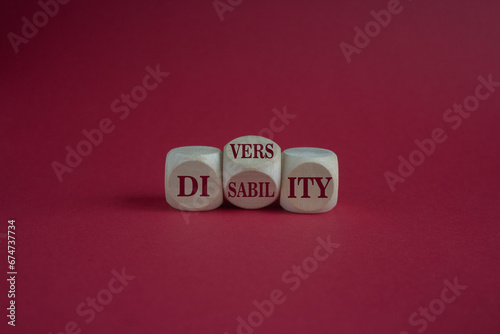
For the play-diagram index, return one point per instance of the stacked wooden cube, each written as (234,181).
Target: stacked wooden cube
(252,173)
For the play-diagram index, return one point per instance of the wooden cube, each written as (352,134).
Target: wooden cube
(309,180)
(251,172)
(193,178)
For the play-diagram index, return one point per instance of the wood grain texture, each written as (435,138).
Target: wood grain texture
(309,180)
(251,172)
(193,178)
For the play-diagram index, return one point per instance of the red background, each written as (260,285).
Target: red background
(198,273)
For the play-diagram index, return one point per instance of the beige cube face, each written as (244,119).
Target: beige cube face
(251,172)
(193,178)
(309,180)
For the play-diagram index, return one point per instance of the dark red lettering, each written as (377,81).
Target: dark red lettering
(252,189)
(182,186)
(305,185)
(231,187)
(245,154)
(322,187)
(258,151)
(204,186)
(292,187)
(270,151)
(235,151)
(241,190)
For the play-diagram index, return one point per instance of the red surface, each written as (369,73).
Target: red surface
(196,273)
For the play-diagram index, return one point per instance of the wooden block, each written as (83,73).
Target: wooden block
(251,172)
(309,180)
(193,178)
